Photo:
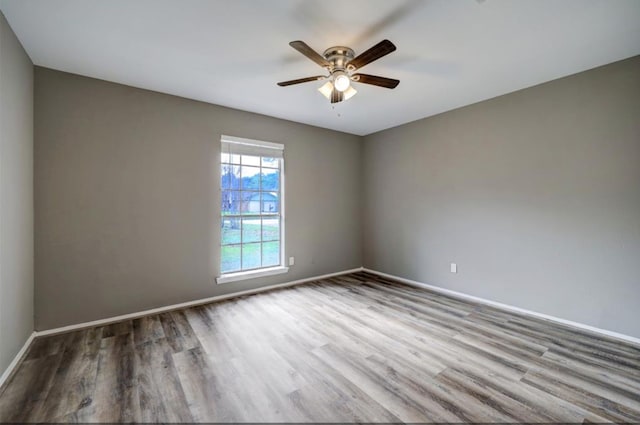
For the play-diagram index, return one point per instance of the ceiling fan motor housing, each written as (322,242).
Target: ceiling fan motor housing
(338,57)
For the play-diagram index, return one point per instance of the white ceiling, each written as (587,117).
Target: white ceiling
(450,52)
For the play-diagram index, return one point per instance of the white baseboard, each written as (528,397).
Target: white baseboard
(463,296)
(16,361)
(201,301)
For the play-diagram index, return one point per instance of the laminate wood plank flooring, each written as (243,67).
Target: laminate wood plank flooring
(353,348)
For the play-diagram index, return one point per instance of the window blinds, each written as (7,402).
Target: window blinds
(239,146)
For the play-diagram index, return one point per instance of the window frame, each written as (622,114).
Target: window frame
(262,271)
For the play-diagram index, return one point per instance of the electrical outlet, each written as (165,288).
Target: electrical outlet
(292,261)
(454,268)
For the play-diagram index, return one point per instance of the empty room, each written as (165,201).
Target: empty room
(320,211)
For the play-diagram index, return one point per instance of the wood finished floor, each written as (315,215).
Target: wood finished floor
(351,348)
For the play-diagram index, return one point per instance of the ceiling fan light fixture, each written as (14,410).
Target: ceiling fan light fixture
(349,93)
(326,89)
(341,81)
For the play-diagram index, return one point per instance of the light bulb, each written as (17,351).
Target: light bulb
(341,81)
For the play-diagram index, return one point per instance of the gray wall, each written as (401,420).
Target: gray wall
(16,195)
(127,198)
(535,195)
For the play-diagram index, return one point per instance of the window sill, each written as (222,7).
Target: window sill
(233,277)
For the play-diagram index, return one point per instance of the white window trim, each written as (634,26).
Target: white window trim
(270,271)
(251,274)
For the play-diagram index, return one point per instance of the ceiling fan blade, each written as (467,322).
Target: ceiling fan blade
(376,52)
(388,83)
(337,96)
(303,48)
(301,80)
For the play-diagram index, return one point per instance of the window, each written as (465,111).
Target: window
(251,179)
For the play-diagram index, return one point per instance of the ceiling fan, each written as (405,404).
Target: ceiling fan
(341,63)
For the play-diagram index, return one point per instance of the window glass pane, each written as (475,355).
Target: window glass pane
(251,229)
(230,158)
(250,177)
(230,230)
(270,162)
(270,202)
(270,179)
(251,203)
(251,254)
(271,229)
(230,258)
(270,254)
(250,160)
(250,219)
(231,202)
(230,176)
